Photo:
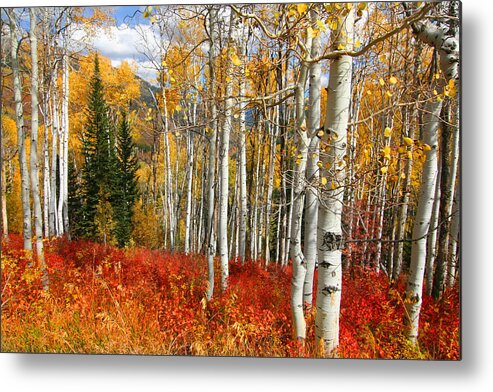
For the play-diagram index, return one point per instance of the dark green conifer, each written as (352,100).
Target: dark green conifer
(126,193)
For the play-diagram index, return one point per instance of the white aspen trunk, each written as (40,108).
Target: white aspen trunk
(446,41)
(261,221)
(432,237)
(210,232)
(312,177)
(270,186)
(21,134)
(243,172)
(188,213)
(34,166)
(298,201)
(450,158)
(46,168)
(224,165)
(65,133)
(54,229)
(169,179)
(454,242)
(383,202)
(330,240)
(254,231)
(401,227)
(421,226)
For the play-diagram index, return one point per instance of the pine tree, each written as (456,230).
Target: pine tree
(74,200)
(98,148)
(126,192)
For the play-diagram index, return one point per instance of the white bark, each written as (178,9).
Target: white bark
(421,226)
(188,213)
(298,201)
(243,172)
(210,232)
(224,164)
(432,237)
(34,167)
(65,132)
(312,170)
(21,134)
(330,209)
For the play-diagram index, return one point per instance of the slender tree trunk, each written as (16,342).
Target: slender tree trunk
(65,133)
(421,226)
(432,237)
(38,215)
(188,213)
(450,155)
(312,177)
(330,240)
(242,170)
(210,233)
(224,164)
(298,201)
(54,230)
(21,133)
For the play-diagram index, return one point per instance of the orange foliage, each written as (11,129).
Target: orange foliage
(107,300)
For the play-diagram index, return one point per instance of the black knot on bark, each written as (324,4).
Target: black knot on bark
(332,241)
(328,290)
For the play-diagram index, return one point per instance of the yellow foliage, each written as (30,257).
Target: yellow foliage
(408,141)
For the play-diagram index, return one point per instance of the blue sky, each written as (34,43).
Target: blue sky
(125,40)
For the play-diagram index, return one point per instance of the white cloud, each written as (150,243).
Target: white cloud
(131,43)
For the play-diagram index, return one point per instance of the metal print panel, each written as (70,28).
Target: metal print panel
(263,180)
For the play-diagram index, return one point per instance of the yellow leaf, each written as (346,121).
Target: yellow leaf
(320,164)
(383,58)
(178,108)
(146,14)
(386,152)
(170,71)
(172,79)
(387,132)
(152,19)
(384,169)
(357,44)
(408,141)
(228,79)
(321,25)
(301,8)
(333,185)
(402,149)
(410,155)
(310,33)
(333,25)
(235,59)
(368,92)
(388,93)
(426,147)
(393,80)
(341,47)
(362,6)
(323,181)
(320,133)
(382,82)
(298,161)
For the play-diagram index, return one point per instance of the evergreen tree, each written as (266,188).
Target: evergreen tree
(126,193)
(98,148)
(74,200)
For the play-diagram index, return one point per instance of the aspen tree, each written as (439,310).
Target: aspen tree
(21,133)
(330,241)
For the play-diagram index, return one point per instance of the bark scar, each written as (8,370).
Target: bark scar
(331,241)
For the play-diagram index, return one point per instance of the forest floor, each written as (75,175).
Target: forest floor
(139,301)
